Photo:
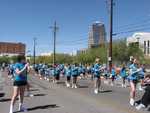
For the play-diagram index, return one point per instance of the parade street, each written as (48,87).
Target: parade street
(56,98)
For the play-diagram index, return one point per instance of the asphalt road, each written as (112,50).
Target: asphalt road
(56,98)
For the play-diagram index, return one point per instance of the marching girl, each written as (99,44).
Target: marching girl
(97,75)
(68,74)
(92,72)
(123,75)
(113,75)
(56,74)
(82,71)
(133,79)
(74,74)
(20,83)
(88,69)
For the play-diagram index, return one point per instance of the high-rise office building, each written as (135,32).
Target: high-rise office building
(97,35)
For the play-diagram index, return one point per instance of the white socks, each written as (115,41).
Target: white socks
(11,109)
(96,91)
(132,101)
(20,105)
(21,108)
(140,106)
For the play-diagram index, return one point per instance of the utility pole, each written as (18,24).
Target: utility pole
(111,34)
(54,28)
(34,50)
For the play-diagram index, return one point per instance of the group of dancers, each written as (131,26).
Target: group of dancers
(134,73)
(83,71)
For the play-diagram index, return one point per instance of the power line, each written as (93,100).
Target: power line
(66,42)
(134,24)
(80,39)
(133,30)
(76,41)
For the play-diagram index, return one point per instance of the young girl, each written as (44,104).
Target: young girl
(74,73)
(113,75)
(68,74)
(20,82)
(56,74)
(133,79)
(97,75)
(123,75)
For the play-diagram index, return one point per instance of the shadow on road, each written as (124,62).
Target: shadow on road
(83,86)
(9,99)
(38,95)
(60,82)
(41,107)
(2,94)
(34,89)
(106,91)
(5,100)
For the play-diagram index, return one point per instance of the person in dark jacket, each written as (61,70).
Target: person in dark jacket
(145,100)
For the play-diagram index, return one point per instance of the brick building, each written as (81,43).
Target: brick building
(12,49)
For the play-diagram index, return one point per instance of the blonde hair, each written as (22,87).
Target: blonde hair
(97,60)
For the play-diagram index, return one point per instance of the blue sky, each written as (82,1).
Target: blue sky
(21,20)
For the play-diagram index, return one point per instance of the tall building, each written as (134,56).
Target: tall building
(12,49)
(97,35)
(142,39)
